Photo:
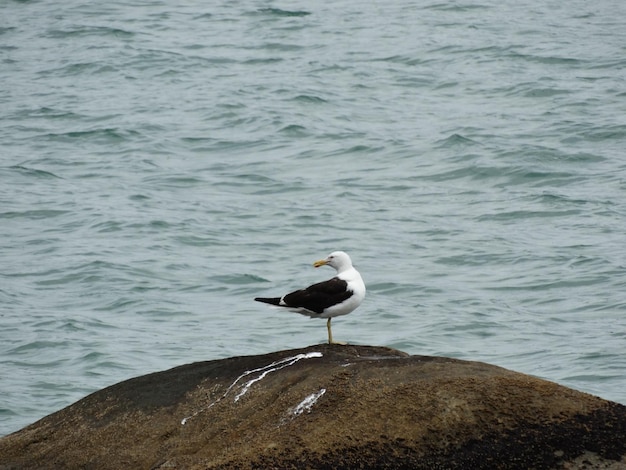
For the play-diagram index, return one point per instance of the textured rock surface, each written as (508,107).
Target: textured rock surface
(328,406)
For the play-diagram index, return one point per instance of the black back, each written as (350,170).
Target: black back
(320,296)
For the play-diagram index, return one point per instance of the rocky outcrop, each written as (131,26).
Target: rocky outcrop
(328,407)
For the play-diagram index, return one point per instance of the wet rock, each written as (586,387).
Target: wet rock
(328,407)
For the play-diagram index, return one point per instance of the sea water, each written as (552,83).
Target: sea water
(163,163)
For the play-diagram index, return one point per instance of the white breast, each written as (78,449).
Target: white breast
(357,286)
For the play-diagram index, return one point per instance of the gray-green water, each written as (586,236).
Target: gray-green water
(162,163)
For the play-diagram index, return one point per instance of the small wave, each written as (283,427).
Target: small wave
(239,279)
(286,13)
(263,60)
(455,140)
(204,16)
(89,31)
(78,69)
(119,305)
(194,240)
(294,130)
(50,113)
(598,134)
(26,171)
(35,346)
(179,181)
(7,29)
(389,288)
(33,214)
(539,59)
(101,136)
(517,215)
(456,8)
(309,99)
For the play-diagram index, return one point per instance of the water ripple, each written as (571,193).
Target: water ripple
(164,164)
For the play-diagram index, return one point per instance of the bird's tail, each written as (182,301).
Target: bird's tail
(269,300)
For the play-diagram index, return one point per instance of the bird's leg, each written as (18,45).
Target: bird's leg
(330,333)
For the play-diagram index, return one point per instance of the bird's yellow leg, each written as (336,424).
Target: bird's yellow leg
(330,334)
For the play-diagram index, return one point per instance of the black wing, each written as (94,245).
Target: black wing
(320,296)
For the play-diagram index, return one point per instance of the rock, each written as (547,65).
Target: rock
(328,407)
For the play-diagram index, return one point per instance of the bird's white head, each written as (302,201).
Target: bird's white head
(337,259)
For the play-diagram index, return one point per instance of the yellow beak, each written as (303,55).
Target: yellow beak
(319,263)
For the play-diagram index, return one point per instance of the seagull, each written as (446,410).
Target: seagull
(339,295)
